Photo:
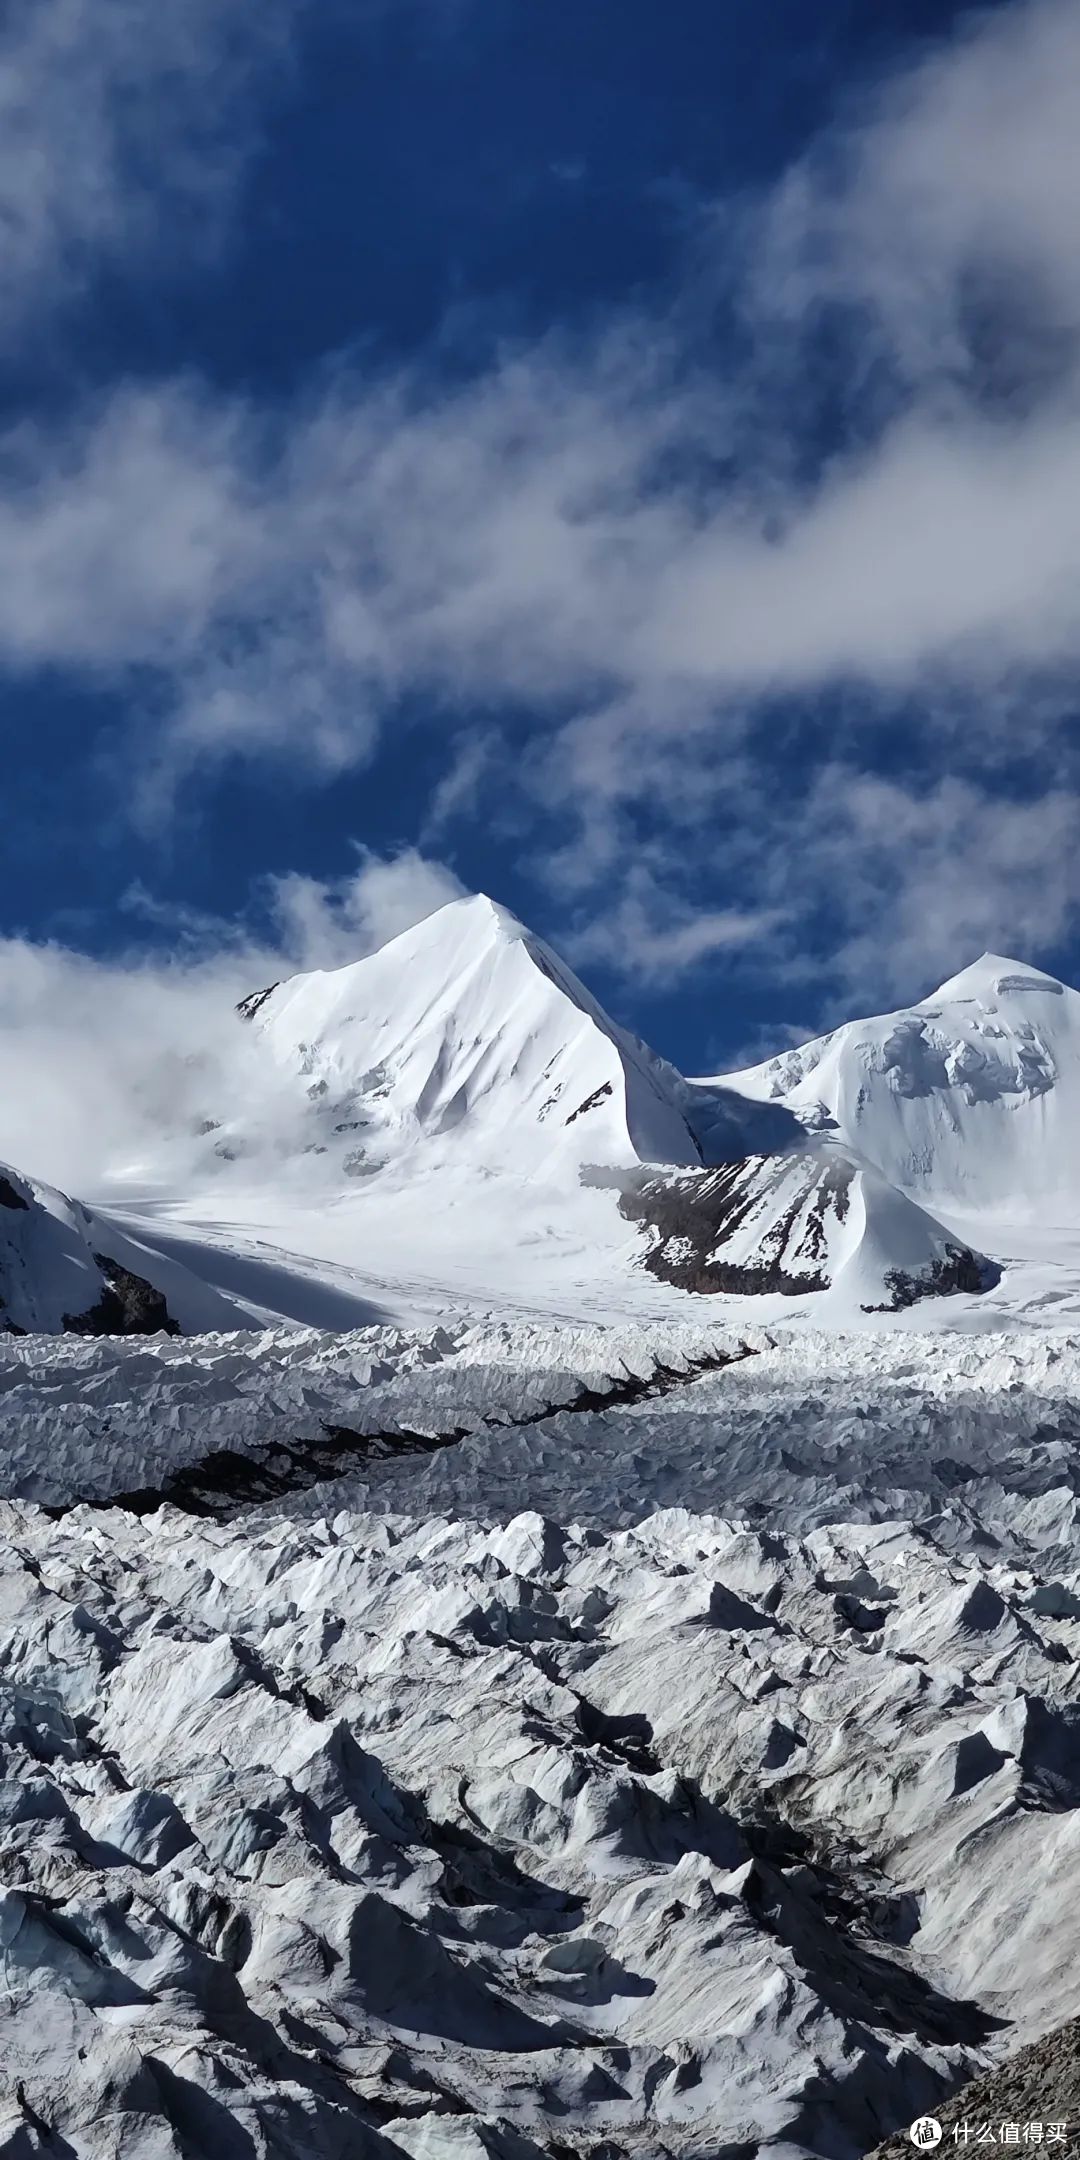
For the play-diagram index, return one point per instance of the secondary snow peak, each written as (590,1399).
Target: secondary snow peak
(968,1100)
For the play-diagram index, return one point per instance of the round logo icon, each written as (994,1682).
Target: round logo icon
(925,2132)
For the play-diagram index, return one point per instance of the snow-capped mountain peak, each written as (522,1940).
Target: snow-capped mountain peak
(454,1121)
(468,1034)
(968,1099)
(991,977)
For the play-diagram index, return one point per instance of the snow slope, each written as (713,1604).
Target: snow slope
(969,1101)
(451,1123)
(465,1040)
(64,1268)
(468,1036)
(445,1125)
(48,1269)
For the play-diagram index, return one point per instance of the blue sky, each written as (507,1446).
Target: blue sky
(626,464)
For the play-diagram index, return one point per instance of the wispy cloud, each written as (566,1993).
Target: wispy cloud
(124,129)
(325,925)
(151,1032)
(919,880)
(591,522)
(456,795)
(596,532)
(658,936)
(939,211)
(864,890)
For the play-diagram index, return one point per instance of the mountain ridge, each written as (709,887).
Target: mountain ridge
(968,1100)
(455,1119)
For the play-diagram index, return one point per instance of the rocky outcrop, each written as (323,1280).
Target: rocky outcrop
(795,1225)
(128,1305)
(1039,2086)
(249,1006)
(693,1220)
(56,1276)
(959,1269)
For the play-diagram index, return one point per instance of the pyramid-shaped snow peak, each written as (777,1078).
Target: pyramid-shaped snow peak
(969,1101)
(464,1039)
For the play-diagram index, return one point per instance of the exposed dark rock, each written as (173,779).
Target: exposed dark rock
(10,1198)
(249,1006)
(127,1306)
(691,1216)
(591,1101)
(691,1213)
(958,1270)
(1039,2085)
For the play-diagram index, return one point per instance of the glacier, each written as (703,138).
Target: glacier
(605,1781)
(541,1597)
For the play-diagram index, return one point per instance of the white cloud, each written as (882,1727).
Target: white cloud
(94,1054)
(923,880)
(496,544)
(652,935)
(456,795)
(868,890)
(123,534)
(952,547)
(124,128)
(327,925)
(554,531)
(380,541)
(101,1056)
(947,191)
(595,530)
